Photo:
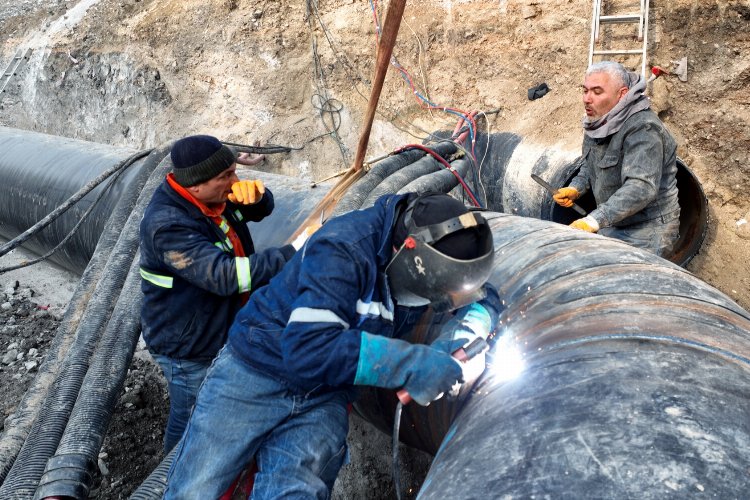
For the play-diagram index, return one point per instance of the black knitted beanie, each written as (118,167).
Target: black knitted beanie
(198,158)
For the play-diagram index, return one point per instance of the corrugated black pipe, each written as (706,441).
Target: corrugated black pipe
(155,484)
(18,425)
(443,180)
(100,390)
(45,434)
(356,195)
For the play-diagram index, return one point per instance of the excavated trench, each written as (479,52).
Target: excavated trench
(636,378)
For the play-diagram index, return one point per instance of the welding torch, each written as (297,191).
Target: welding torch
(462,354)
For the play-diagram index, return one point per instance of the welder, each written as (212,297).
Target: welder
(328,322)
(198,265)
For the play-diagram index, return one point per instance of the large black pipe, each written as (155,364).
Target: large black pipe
(38,172)
(507,162)
(636,385)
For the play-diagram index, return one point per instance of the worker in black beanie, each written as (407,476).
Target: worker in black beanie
(199,265)
(336,317)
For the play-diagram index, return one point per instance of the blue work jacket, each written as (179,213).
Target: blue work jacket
(305,327)
(192,279)
(632,173)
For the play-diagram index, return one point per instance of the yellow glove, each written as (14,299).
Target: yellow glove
(587,224)
(247,192)
(304,235)
(565,196)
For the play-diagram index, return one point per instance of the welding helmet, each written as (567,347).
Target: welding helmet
(443,253)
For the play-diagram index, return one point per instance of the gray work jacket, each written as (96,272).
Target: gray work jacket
(631,172)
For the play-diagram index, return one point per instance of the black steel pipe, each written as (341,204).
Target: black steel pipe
(38,172)
(637,379)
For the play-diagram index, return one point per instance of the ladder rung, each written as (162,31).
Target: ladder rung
(616,52)
(624,18)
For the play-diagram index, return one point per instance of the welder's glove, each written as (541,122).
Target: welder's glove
(587,224)
(424,372)
(247,192)
(304,235)
(476,320)
(566,196)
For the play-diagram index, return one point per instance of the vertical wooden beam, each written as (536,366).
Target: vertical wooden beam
(385,50)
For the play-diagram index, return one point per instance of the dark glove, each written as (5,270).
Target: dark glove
(424,372)
(470,322)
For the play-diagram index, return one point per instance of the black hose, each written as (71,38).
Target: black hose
(93,183)
(18,425)
(404,176)
(155,484)
(87,426)
(442,181)
(356,195)
(47,429)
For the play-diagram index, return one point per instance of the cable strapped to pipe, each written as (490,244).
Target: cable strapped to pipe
(93,183)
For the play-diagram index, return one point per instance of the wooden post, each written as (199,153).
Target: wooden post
(385,50)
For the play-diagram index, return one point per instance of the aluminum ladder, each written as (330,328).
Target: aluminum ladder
(13,67)
(641,18)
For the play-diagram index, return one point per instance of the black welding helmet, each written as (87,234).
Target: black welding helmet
(443,255)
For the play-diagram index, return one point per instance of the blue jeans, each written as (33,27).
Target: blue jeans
(298,440)
(655,236)
(184,378)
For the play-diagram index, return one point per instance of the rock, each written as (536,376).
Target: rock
(6,306)
(103,468)
(30,365)
(10,356)
(743,227)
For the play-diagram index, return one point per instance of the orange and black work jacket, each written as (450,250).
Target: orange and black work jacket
(197,267)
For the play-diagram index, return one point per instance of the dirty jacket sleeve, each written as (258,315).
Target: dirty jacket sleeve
(190,254)
(642,154)
(321,340)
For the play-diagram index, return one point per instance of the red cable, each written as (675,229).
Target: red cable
(445,164)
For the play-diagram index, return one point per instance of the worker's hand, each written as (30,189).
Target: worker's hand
(425,373)
(587,224)
(247,192)
(300,240)
(566,196)
(476,320)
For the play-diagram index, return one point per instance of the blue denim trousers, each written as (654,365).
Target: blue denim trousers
(298,440)
(657,236)
(184,378)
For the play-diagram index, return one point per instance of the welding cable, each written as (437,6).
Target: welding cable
(264,150)
(442,181)
(395,467)
(23,237)
(447,166)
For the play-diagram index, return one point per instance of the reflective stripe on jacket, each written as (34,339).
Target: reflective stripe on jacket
(191,277)
(305,327)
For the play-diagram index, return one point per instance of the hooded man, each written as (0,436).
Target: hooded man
(629,163)
(330,321)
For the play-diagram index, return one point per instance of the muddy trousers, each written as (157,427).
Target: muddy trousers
(298,440)
(655,236)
